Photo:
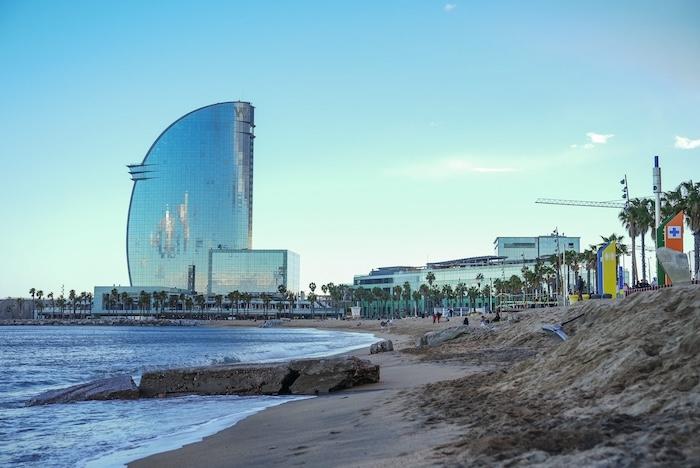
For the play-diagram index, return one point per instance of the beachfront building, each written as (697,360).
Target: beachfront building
(472,271)
(513,255)
(531,248)
(252,271)
(193,195)
(125,298)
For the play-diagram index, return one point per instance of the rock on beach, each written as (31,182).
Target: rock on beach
(120,387)
(298,377)
(435,338)
(381,347)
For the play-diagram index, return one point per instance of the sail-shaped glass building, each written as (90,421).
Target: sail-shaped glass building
(192,193)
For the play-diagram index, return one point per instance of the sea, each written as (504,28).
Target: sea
(34,359)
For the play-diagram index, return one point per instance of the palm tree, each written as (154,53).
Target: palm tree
(589,259)
(40,303)
(630,220)
(72,298)
(218,301)
(515,284)
(291,297)
(266,298)
(529,278)
(644,209)
(49,296)
(397,290)
(123,298)
(236,298)
(430,278)
(82,297)
(61,302)
(406,294)
(619,240)
(447,293)
(573,260)
(673,202)
(32,291)
(424,291)
(188,303)
(113,297)
(486,291)
(200,301)
(20,304)
(472,294)
(555,261)
(691,206)
(460,290)
(378,295)
(88,298)
(415,295)
(312,299)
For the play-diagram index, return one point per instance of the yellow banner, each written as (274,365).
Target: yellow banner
(609,265)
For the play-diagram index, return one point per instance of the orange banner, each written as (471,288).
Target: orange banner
(673,233)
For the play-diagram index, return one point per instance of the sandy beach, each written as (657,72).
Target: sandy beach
(622,391)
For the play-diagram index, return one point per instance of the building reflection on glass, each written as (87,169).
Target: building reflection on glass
(192,193)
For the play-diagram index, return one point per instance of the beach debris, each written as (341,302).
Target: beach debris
(434,338)
(557,330)
(119,387)
(381,347)
(272,323)
(298,377)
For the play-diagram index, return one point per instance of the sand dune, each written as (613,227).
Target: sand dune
(622,391)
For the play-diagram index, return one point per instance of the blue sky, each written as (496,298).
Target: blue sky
(387,132)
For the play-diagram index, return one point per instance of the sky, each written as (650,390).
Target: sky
(388,133)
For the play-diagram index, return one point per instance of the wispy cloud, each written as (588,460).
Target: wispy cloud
(449,7)
(595,139)
(446,168)
(599,138)
(686,143)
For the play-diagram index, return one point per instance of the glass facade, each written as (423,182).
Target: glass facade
(452,276)
(252,271)
(530,248)
(193,192)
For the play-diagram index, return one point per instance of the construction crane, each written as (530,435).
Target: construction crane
(594,204)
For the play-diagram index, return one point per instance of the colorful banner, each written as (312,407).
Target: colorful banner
(670,235)
(607,269)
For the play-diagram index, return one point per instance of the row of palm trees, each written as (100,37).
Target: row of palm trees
(75,305)
(638,218)
(545,273)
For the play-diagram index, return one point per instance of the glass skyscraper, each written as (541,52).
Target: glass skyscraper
(252,271)
(192,193)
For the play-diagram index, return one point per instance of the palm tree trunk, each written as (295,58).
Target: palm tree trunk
(634,260)
(588,278)
(644,265)
(696,254)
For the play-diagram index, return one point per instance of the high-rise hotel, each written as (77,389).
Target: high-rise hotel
(190,216)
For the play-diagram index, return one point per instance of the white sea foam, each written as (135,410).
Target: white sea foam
(110,433)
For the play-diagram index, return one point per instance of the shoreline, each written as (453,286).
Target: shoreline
(259,439)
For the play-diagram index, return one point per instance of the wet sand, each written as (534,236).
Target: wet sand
(364,426)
